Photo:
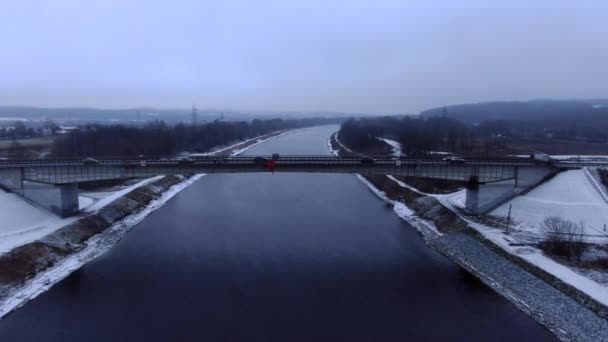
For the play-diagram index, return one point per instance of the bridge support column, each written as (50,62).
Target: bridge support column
(61,200)
(483,198)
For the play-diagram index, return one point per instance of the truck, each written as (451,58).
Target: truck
(541,157)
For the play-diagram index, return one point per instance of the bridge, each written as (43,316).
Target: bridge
(53,183)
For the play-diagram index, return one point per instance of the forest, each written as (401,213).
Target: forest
(157,139)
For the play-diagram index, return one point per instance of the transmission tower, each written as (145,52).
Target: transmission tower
(194,115)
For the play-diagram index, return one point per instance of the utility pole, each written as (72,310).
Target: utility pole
(193,115)
(508,219)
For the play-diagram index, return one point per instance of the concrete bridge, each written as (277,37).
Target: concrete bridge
(53,183)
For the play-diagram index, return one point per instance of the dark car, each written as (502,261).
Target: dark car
(367,160)
(275,156)
(260,160)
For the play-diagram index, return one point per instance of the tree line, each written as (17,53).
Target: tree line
(416,135)
(157,139)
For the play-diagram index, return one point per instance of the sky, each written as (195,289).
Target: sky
(376,56)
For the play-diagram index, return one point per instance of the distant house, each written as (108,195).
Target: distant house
(67,129)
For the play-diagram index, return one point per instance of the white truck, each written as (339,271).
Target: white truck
(541,157)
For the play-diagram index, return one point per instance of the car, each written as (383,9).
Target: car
(367,160)
(275,156)
(454,159)
(90,161)
(185,160)
(260,160)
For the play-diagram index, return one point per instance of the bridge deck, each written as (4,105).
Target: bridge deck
(62,171)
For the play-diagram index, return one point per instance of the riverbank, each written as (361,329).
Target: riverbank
(32,268)
(562,309)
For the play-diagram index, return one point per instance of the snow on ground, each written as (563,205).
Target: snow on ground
(536,257)
(239,151)
(105,198)
(333,152)
(426,228)
(395,147)
(570,191)
(569,195)
(85,200)
(565,157)
(242,150)
(22,222)
(456,199)
(341,144)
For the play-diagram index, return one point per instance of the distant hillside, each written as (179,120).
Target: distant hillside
(595,110)
(148,114)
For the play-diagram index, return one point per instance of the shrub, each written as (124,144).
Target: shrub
(563,238)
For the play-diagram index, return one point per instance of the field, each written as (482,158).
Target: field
(559,147)
(31,143)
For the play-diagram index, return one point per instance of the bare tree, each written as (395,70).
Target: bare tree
(563,238)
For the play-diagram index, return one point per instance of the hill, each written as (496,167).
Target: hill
(594,111)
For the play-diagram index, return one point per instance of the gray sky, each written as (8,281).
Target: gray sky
(375,56)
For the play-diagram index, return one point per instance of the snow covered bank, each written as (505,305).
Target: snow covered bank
(330,146)
(423,225)
(569,195)
(536,285)
(259,141)
(342,145)
(15,293)
(246,144)
(23,222)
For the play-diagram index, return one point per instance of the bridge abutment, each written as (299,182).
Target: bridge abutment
(60,199)
(483,198)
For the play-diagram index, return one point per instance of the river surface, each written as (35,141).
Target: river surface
(272,257)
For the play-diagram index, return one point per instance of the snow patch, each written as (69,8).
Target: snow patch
(242,150)
(569,195)
(333,152)
(395,147)
(424,227)
(117,194)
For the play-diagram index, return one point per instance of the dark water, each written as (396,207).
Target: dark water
(263,257)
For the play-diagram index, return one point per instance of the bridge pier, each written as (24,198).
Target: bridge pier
(60,199)
(483,198)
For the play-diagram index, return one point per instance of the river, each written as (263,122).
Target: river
(272,257)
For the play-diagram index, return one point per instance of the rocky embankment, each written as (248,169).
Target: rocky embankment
(561,308)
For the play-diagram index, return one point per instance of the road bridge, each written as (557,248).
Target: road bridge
(52,183)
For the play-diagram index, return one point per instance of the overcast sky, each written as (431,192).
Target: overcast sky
(375,56)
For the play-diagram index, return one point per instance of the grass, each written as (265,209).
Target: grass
(31,142)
